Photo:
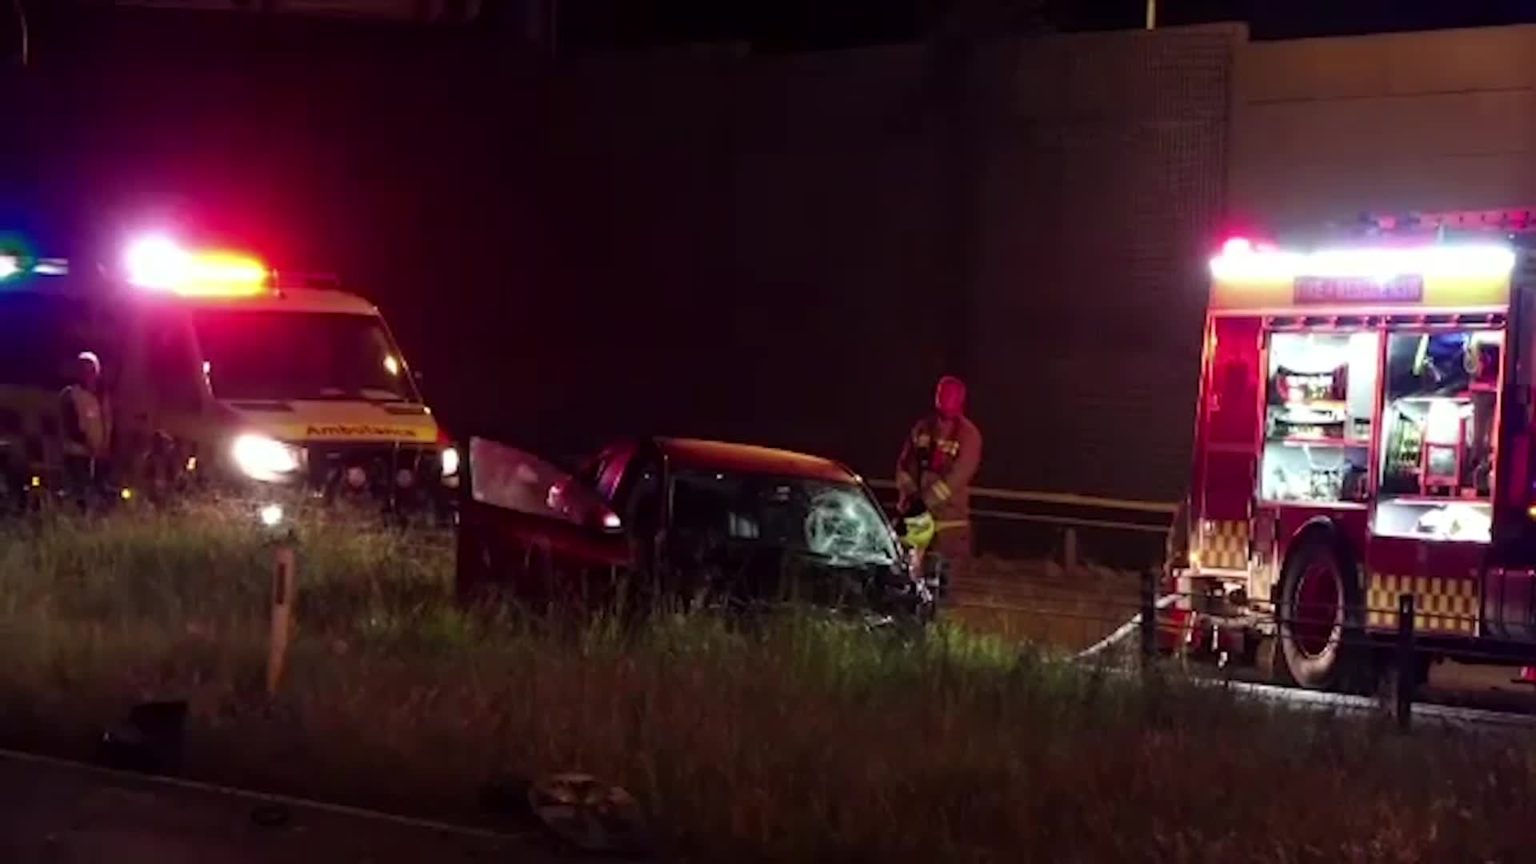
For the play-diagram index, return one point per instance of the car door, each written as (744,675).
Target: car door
(529,529)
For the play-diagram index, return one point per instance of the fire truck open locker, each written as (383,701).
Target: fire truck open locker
(1365,431)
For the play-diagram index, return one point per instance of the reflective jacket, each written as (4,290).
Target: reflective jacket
(939,462)
(86,422)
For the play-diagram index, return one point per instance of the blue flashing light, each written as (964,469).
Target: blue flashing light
(14,266)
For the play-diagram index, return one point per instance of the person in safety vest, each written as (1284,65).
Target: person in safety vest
(86,427)
(937,464)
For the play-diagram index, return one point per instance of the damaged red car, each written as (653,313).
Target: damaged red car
(679,521)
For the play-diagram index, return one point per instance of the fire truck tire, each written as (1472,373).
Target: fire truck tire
(1321,640)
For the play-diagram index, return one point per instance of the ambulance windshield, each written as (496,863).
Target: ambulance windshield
(251,354)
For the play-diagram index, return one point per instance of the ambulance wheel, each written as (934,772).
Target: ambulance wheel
(1321,639)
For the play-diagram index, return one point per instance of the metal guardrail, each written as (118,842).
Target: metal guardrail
(1065,500)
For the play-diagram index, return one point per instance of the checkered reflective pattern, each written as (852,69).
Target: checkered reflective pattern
(1440,605)
(1224,544)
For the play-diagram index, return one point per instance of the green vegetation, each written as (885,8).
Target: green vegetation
(800,740)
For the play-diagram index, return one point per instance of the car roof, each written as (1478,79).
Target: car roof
(749,459)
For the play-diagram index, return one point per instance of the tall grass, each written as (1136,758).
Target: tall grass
(800,739)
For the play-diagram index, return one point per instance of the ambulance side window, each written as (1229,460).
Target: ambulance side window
(104,338)
(40,336)
(174,369)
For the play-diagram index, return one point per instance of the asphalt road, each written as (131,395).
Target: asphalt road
(55,813)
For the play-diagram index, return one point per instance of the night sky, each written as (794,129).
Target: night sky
(798,25)
(802,24)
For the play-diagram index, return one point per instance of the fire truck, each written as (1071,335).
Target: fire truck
(1365,431)
(221,373)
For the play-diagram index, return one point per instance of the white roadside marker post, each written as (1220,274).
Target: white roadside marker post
(284,585)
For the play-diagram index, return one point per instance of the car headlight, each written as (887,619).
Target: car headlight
(263,458)
(450,459)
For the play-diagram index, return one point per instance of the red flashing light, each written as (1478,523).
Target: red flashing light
(160,264)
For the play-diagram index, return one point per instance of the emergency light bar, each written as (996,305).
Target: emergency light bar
(1519,220)
(159,264)
(12,265)
(1242,261)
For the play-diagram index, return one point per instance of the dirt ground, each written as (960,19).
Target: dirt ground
(1041,602)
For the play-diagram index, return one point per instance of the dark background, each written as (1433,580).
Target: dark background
(784,247)
(747,239)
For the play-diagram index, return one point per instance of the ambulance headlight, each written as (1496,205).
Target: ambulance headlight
(267,459)
(450,459)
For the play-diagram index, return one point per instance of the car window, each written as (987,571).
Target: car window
(512,479)
(589,470)
(612,471)
(638,498)
(835,520)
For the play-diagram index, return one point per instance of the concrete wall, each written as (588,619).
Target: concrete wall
(1107,158)
(1328,128)
(858,223)
(779,249)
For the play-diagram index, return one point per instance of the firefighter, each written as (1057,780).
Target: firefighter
(86,428)
(936,467)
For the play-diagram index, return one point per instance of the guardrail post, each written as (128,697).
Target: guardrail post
(1407,675)
(1149,582)
(1069,550)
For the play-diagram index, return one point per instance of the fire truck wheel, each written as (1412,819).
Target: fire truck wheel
(1320,637)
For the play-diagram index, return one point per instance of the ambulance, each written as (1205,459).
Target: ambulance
(220,373)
